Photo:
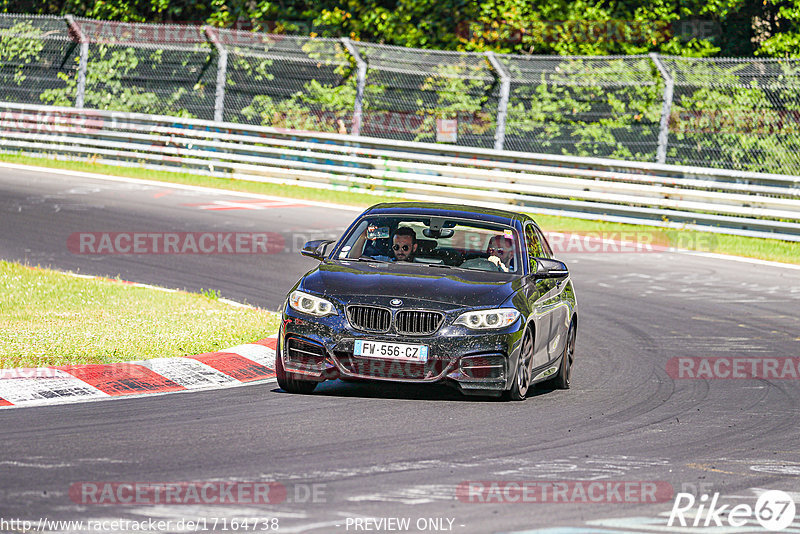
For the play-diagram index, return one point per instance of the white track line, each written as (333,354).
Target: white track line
(156,183)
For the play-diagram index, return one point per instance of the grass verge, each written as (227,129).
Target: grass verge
(764,249)
(49,318)
(749,247)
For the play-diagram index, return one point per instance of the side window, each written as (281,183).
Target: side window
(534,245)
(545,245)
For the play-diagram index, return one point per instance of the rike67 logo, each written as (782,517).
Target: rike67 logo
(774,511)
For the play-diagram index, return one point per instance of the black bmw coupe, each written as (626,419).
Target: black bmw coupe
(418,292)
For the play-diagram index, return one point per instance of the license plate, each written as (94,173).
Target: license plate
(394,351)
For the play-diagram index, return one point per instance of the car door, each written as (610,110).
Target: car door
(540,293)
(559,314)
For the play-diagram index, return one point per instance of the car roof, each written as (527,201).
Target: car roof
(448,210)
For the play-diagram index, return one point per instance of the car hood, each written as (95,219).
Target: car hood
(403,280)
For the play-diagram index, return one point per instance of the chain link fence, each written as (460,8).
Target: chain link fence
(147,68)
(39,56)
(740,114)
(429,95)
(286,81)
(584,106)
(726,113)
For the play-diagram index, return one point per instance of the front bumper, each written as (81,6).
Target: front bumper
(319,349)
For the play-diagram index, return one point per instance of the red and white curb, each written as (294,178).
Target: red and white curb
(76,383)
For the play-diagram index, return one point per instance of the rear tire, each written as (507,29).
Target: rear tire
(289,384)
(563,378)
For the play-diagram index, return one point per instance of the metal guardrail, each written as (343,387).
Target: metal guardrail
(722,201)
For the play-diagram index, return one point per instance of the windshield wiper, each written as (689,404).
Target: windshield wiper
(445,266)
(363,258)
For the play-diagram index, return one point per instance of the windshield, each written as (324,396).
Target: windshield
(457,243)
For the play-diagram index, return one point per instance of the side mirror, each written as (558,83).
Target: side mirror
(316,249)
(547,268)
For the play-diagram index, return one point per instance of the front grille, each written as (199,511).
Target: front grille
(369,318)
(417,323)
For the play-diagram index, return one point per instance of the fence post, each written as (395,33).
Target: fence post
(361,81)
(502,106)
(222,72)
(80,93)
(669,89)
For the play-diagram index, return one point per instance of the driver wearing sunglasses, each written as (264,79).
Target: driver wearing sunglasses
(404,244)
(501,251)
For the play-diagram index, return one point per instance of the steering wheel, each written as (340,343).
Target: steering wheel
(483,264)
(498,263)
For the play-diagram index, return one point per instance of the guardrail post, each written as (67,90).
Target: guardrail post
(502,106)
(222,72)
(80,93)
(361,81)
(666,109)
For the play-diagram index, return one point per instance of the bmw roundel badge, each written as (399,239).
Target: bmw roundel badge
(396,302)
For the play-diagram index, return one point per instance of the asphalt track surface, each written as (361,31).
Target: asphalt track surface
(378,451)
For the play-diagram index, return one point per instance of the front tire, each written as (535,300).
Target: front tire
(522,376)
(289,384)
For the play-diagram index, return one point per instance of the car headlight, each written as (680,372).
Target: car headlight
(486,319)
(310,304)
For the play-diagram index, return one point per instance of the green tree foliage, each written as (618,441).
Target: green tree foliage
(613,111)
(696,27)
(780,31)
(318,108)
(18,51)
(315,103)
(602,107)
(108,86)
(725,116)
(579,27)
(460,93)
